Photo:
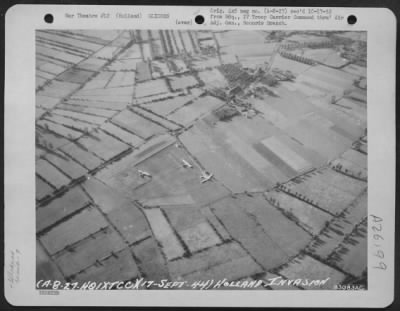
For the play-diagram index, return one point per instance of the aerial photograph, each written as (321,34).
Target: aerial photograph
(201,159)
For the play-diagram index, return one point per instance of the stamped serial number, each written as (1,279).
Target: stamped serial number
(349,287)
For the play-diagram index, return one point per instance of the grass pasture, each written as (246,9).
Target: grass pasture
(137,124)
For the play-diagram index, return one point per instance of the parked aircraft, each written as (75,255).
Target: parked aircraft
(186,164)
(144,174)
(205,176)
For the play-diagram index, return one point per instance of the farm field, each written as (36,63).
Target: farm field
(187,155)
(193,111)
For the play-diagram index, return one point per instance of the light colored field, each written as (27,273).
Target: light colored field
(182,82)
(165,107)
(164,234)
(250,50)
(45,101)
(137,124)
(330,190)
(59,89)
(73,230)
(99,81)
(214,221)
(288,64)
(287,155)
(271,114)
(230,155)
(68,122)
(157,97)
(180,64)
(104,196)
(205,63)
(326,56)
(103,145)
(131,52)
(170,200)
(107,92)
(81,156)
(239,37)
(79,116)
(106,113)
(146,51)
(130,222)
(51,174)
(199,237)
(111,103)
(121,134)
(154,118)
(201,106)
(66,165)
(52,69)
(121,79)
(187,43)
(291,104)
(344,124)
(95,35)
(350,168)
(107,52)
(248,233)
(124,64)
(311,218)
(356,157)
(170,178)
(325,142)
(286,234)
(344,183)
(356,70)
(354,109)
(150,88)
(306,267)
(327,80)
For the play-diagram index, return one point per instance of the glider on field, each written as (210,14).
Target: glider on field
(186,164)
(144,174)
(205,176)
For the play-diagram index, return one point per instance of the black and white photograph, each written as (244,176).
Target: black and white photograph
(199,156)
(201,159)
